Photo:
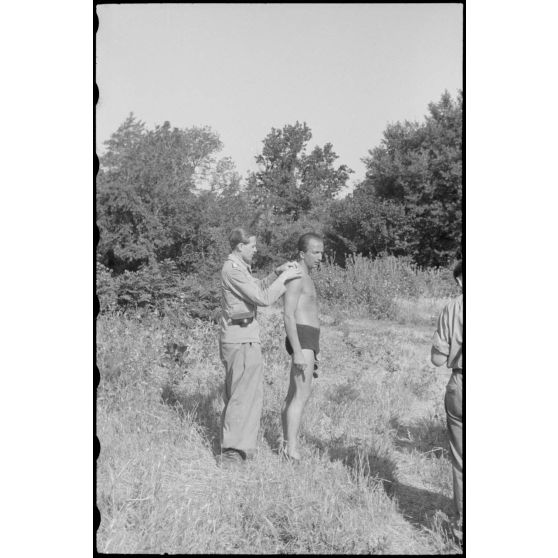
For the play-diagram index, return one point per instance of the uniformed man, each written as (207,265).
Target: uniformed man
(239,344)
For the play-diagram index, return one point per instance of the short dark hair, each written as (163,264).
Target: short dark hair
(239,235)
(458,269)
(305,239)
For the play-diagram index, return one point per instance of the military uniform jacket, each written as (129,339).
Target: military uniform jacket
(240,293)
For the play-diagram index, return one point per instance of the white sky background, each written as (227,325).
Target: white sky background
(346,70)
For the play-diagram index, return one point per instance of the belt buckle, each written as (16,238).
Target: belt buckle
(242,319)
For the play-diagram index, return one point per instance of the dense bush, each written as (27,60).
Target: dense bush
(162,288)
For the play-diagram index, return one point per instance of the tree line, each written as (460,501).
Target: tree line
(165,198)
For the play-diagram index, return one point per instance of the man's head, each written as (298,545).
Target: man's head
(310,249)
(243,244)
(458,273)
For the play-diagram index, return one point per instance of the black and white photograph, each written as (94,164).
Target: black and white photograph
(234,303)
(279,278)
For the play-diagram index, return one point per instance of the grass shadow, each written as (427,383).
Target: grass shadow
(202,407)
(362,461)
(428,435)
(271,429)
(417,505)
(420,506)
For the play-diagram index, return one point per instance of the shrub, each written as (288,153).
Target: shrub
(159,287)
(106,288)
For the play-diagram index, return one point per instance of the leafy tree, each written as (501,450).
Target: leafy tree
(148,206)
(291,182)
(362,223)
(418,170)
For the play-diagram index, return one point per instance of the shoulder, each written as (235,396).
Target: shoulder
(453,309)
(454,305)
(231,265)
(235,272)
(294,285)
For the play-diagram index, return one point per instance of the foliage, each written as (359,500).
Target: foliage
(291,182)
(162,288)
(410,201)
(367,225)
(148,205)
(372,287)
(166,205)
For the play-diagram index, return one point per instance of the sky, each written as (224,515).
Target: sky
(347,70)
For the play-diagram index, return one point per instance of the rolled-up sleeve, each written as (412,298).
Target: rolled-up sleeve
(256,292)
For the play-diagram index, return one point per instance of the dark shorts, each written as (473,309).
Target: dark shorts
(309,337)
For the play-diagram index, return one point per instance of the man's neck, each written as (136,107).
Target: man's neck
(304,267)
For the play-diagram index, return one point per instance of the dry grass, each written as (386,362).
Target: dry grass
(376,476)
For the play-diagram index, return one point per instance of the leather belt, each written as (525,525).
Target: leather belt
(242,322)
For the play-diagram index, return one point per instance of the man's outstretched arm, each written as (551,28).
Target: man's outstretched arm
(251,290)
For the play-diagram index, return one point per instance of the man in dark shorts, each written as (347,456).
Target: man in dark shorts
(302,326)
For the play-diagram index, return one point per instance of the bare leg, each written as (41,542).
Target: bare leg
(291,413)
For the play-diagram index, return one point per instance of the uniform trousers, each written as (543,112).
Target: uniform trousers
(243,396)
(453,405)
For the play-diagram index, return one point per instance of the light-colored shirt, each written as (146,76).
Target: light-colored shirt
(241,292)
(448,338)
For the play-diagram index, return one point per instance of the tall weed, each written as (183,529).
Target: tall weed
(372,287)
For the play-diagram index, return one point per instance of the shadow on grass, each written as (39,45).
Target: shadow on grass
(429,435)
(417,505)
(202,407)
(420,506)
(361,461)
(271,429)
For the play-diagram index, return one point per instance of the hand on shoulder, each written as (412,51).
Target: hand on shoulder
(291,273)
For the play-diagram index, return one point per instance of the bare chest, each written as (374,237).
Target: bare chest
(308,288)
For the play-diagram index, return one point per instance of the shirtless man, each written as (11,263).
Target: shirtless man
(302,326)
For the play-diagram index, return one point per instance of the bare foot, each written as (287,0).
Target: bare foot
(291,455)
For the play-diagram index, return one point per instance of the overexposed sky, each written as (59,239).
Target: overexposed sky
(347,70)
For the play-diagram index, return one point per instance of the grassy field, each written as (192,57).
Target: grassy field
(376,476)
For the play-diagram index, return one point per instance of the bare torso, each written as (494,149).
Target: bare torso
(307,308)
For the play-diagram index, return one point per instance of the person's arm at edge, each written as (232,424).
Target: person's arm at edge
(441,343)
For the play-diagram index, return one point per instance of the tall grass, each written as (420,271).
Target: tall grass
(374,287)
(158,407)
(366,287)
